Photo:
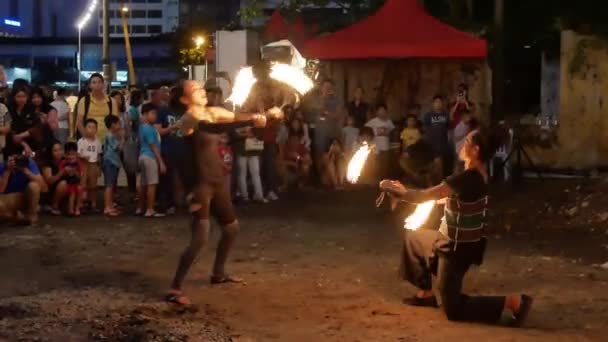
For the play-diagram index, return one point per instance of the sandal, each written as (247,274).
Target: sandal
(154,215)
(111,213)
(524,309)
(430,302)
(176,297)
(226,279)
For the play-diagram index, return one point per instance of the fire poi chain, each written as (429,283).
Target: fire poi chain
(355,166)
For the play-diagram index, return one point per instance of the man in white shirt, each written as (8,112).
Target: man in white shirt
(63,116)
(382,126)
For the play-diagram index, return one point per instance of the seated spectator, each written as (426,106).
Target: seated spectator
(22,121)
(297,160)
(421,165)
(74,170)
(411,133)
(54,177)
(43,135)
(20,188)
(333,166)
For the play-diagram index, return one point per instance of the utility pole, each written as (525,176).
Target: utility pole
(125,30)
(498,69)
(105,59)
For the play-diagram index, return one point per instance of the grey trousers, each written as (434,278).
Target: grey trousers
(427,253)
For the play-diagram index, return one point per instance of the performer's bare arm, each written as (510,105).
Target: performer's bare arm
(222,115)
(397,190)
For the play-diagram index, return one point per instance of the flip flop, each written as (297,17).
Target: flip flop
(430,302)
(521,315)
(111,213)
(55,212)
(154,215)
(216,280)
(176,297)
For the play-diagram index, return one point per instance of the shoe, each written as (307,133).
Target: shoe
(272,196)
(261,200)
(171,211)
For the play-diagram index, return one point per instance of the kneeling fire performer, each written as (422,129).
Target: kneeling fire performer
(459,243)
(204,175)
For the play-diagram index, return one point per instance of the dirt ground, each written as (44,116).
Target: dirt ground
(319,267)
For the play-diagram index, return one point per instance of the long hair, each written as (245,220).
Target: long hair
(135,98)
(12,106)
(123,105)
(175,102)
(40,92)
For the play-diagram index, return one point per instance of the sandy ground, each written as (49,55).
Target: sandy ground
(319,267)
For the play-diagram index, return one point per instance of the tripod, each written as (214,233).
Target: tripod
(518,150)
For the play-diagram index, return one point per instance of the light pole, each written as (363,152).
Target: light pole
(125,30)
(82,22)
(105,56)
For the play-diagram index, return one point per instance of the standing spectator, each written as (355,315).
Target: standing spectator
(89,150)
(270,176)
(113,145)
(248,149)
(63,116)
(130,152)
(3,85)
(42,135)
(358,109)
(411,133)
(436,124)
(74,173)
(350,133)
(95,105)
(166,125)
(55,178)
(5,127)
(466,125)
(382,126)
(22,120)
(20,188)
(118,97)
(327,124)
(460,105)
(150,163)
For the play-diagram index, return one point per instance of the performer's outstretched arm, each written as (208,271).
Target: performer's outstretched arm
(397,190)
(222,115)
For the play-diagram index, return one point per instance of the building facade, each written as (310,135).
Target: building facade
(39,18)
(145,18)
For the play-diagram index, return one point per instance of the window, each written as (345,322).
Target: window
(138,1)
(155,14)
(155,29)
(138,29)
(138,14)
(155,1)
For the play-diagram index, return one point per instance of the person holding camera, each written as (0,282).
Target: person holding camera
(460,106)
(20,188)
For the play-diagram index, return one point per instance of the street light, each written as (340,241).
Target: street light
(199,41)
(125,30)
(82,22)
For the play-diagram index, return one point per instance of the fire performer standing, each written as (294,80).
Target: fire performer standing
(204,174)
(459,243)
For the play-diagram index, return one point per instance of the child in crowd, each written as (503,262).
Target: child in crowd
(227,156)
(333,166)
(297,160)
(411,133)
(113,145)
(466,125)
(150,162)
(73,169)
(89,150)
(382,126)
(350,133)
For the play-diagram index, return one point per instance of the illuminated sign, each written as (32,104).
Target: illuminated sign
(11,22)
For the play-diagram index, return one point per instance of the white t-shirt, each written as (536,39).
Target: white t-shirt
(89,149)
(63,113)
(4,119)
(382,130)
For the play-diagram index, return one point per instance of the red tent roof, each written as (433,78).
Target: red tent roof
(276,27)
(400,29)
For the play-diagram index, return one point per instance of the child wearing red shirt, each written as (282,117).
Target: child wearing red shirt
(227,156)
(72,168)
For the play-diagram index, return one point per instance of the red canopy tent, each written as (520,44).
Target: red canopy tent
(276,27)
(400,29)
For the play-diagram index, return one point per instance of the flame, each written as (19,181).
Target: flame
(243,83)
(356,163)
(292,76)
(420,215)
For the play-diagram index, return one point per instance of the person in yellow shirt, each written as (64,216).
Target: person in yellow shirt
(96,105)
(411,133)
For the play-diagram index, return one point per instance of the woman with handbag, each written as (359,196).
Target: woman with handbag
(248,149)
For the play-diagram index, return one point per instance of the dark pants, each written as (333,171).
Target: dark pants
(166,188)
(427,252)
(269,167)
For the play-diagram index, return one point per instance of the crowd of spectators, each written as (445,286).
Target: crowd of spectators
(59,148)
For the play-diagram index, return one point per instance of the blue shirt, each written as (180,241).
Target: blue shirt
(436,127)
(111,150)
(18,181)
(166,118)
(148,136)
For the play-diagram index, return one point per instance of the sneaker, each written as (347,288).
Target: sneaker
(260,200)
(272,196)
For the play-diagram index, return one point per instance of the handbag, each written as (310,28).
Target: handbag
(254,145)
(130,152)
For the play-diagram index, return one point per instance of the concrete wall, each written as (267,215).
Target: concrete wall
(401,83)
(581,137)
